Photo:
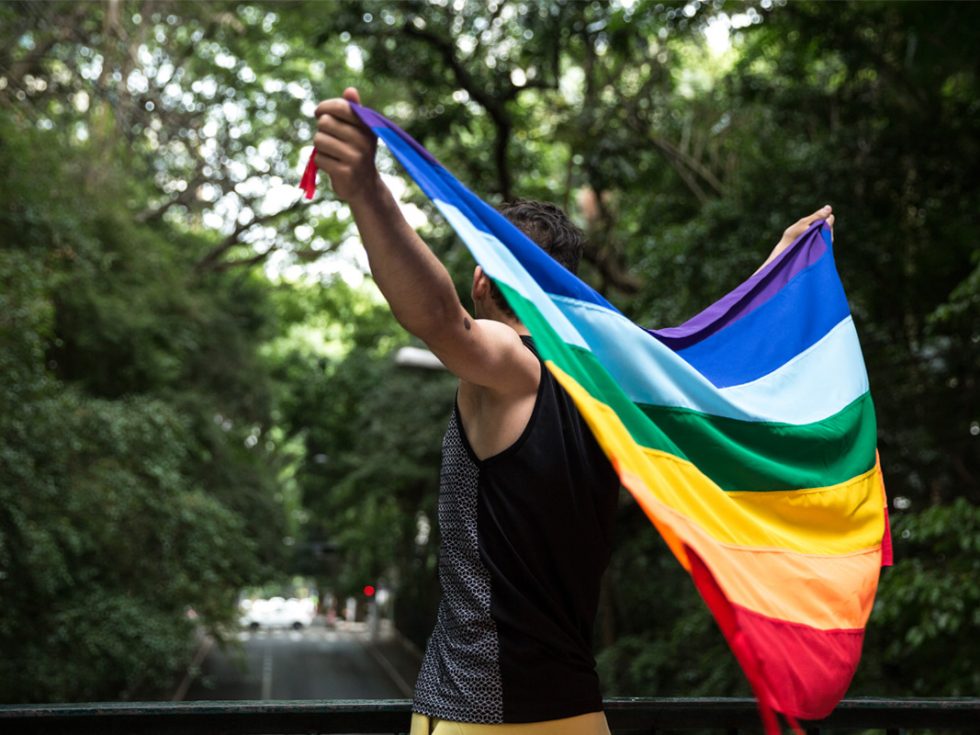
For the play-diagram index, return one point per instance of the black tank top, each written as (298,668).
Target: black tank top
(525,537)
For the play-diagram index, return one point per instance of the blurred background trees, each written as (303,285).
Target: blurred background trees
(198,387)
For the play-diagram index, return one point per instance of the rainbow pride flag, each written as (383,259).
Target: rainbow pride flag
(746,434)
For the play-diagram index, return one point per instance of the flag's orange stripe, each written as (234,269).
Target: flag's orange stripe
(823,592)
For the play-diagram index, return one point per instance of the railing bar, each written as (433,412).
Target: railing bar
(633,715)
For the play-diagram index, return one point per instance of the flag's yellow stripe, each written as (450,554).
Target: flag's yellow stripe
(823,592)
(838,519)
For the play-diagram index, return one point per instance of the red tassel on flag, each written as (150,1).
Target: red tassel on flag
(308,182)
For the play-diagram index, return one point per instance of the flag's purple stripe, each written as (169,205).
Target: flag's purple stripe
(373,120)
(804,252)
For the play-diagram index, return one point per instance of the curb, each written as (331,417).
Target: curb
(389,668)
(193,668)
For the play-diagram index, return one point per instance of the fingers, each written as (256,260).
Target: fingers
(799,227)
(333,147)
(330,165)
(347,132)
(821,213)
(826,214)
(342,141)
(352,95)
(339,108)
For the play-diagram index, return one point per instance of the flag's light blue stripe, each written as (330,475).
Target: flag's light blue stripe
(790,322)
(802,391)
(804,388)
(553,277)
(499,263)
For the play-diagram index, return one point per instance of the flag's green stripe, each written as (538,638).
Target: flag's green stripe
(748,455)
(737,455)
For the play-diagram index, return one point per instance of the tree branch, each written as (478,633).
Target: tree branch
(494,107)
(211,260)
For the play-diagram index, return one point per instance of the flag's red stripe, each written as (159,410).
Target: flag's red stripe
(887,554)
(725,615)
(806,670)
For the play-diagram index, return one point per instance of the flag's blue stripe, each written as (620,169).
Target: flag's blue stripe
(497,261)
(797,317)
(437,182)
(549,274)
(802,391)
(803,252)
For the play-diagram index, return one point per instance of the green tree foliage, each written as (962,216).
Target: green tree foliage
(128,493)
(371,432)
(146,152)
(928,607)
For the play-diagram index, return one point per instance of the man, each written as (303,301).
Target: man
(527,498)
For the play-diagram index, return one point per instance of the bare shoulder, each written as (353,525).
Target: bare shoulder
(490,356)
(496,413)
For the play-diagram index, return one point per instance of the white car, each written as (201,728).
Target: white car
(277,612)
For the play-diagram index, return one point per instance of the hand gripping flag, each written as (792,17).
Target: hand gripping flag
(747,435)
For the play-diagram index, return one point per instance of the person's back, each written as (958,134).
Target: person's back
(526,535)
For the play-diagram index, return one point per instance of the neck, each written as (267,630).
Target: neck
(483,310)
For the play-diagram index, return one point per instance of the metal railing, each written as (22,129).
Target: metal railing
(625,715)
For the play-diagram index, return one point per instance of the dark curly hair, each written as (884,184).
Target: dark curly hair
(550,228)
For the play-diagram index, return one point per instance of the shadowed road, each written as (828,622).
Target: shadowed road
(314,663)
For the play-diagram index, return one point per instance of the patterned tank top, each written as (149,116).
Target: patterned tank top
(525,537)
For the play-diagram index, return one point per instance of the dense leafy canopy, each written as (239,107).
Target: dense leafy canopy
(197,395)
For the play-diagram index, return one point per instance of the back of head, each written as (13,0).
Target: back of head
(550,228)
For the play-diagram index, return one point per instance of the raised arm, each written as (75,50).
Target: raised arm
(413,281)
(796,229)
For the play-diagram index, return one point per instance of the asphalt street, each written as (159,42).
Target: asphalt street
(314,663)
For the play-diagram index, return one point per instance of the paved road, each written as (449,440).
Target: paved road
(315,663)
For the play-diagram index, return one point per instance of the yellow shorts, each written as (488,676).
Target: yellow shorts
(592,723)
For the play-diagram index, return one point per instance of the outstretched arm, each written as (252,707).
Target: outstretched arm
(413,281)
